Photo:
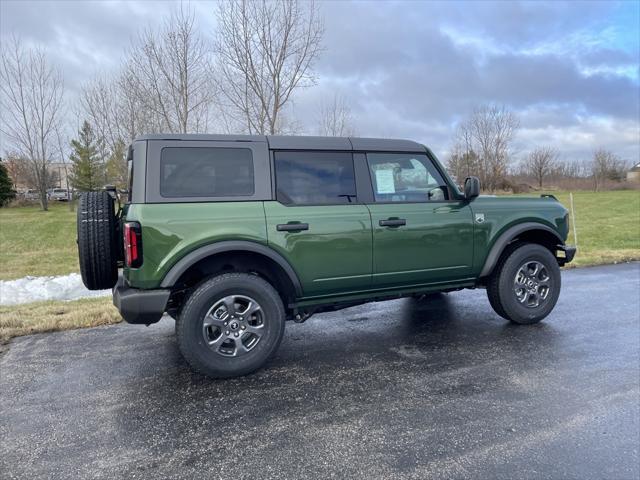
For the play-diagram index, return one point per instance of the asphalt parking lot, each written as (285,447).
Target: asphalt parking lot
(400,389)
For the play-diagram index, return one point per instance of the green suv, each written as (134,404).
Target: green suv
(232,235)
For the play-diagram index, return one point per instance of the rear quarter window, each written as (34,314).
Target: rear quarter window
(206,172)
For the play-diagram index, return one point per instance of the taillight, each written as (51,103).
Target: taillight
(132,244)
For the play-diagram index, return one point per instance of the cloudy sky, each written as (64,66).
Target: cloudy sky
(413,69)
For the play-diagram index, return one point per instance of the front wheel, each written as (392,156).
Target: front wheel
(230,325)
(525,285)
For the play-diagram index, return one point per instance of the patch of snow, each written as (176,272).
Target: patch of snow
(35,289)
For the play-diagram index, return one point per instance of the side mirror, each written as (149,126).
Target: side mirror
(471,188)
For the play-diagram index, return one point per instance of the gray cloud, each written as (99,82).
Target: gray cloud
(609,57)
(406,72)
(522,23)
(412,69)
(81,37)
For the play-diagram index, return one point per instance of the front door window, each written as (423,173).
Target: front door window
(405,177)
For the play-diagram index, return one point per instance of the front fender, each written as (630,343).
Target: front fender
(507,237)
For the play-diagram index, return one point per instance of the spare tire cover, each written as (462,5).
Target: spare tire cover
(98,240)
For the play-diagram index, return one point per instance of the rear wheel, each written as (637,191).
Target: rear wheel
(98,240)
(230,325)
(525,285)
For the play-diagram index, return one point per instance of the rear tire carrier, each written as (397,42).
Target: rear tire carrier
(98,248)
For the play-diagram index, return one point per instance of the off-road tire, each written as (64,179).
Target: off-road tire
(500,285)
(189,325)
(98,240)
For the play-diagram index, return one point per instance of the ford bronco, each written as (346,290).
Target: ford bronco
(233,235)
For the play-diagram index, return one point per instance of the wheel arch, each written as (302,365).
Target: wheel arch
(529,231)
(236,253)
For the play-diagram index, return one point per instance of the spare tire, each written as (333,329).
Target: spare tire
(98,240)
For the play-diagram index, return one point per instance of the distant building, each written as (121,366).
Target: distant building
(60,172)
(633,175)
(20,172)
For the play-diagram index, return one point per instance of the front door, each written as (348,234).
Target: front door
(421,234)
(317,224)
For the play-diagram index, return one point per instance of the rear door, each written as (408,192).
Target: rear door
(318,224)
(420,233)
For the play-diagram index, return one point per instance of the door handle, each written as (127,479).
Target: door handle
(292,227)
(393,222)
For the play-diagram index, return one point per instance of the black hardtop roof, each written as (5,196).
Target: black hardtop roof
(286,142)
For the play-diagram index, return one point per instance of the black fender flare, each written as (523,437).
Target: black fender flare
(507,237)
(201,253)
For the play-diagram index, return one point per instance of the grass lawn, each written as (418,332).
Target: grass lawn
(33,242)
(607,224)
(40,317)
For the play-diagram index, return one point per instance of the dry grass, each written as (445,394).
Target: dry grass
(40,317)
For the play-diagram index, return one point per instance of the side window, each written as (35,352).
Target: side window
(315,178)
(206,172)
(405,177)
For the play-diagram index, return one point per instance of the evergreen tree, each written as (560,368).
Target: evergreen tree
(117,166)
(6,186)
(88,169)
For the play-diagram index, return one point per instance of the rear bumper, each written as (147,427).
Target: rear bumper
(569,253)
(139,306)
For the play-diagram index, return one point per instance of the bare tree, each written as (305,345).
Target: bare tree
(117,116)
(31,97)
(335,118)
(489,132)
(17,167)
(606,166)
(462,164)
(20,169)
(571,169)
(100,103)
(166,84)
(266,51)
(171,73)
(463,161)
(493,128)
(541,162)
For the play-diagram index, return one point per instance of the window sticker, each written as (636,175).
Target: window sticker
(385,182)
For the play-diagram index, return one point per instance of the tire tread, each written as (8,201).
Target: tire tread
(493,285)
(97,240)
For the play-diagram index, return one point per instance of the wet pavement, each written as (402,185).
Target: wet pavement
(402,389)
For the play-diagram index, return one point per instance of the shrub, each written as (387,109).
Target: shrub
(7,193)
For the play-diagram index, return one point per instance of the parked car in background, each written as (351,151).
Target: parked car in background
(59,194)
(31,194)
